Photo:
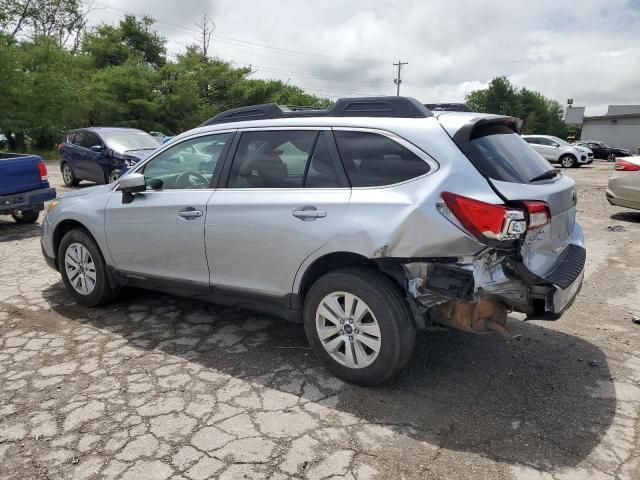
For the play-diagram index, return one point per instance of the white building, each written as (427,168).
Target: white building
(620,127)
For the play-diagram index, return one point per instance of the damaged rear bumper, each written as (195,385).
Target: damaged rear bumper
(440,291)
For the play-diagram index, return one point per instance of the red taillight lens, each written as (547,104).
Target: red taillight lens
(539,214)
(476,217)
(624,166)
(42,170)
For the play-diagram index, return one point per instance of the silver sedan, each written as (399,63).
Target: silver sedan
(624,183)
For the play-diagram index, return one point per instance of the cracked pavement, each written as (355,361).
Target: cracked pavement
(159,387)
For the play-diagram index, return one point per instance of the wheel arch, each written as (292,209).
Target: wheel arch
(335,261)
(322,265)
(66,226)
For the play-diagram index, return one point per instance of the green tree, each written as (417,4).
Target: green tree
(109,45)
(42,91)
(539,114)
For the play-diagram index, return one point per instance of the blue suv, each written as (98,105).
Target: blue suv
(102,154)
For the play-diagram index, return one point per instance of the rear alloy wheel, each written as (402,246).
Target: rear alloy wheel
(568,161)
(358,323)
(68,177)
(611,157)
(26,216)
(83,269)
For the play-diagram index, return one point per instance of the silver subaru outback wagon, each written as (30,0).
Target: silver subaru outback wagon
(366,222)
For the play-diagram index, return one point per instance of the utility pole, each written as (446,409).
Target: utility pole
(398,80)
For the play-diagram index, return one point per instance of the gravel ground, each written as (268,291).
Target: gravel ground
(158,387)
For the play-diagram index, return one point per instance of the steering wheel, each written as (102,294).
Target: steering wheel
(184,180)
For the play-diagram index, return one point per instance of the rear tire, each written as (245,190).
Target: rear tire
(26,216)
(611,157)
(68,176)
(568,161)
(83,269)
(368,344)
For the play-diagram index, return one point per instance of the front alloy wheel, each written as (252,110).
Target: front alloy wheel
(83,269)
(567,161)
(113,176)
(348,330)
(80,269)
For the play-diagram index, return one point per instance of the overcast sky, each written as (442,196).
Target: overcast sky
(588,50)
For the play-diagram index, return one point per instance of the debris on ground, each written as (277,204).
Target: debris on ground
(593,363)
(615,228)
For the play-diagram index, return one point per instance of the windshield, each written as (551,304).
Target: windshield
(560,141)
(122,141)
(500,153)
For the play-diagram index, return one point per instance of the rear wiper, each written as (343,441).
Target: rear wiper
(546,175)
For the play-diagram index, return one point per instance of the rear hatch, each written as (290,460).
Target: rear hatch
(19,173)
(518,173)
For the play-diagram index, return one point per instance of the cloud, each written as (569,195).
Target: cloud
(581,49)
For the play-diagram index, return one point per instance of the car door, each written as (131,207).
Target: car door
(548,149)
(159,236)
(92,165)
(284,198)
(69,151)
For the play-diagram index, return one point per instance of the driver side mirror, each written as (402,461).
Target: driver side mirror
(130,184)
(96,148)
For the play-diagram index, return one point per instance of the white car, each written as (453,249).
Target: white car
(556,150)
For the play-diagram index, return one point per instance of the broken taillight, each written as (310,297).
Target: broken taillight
(485,220)
(539,214)
(624,166)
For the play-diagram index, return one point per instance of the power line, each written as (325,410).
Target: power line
(256,45)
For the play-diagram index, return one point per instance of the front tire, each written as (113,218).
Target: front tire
(568,161)
(26,216)
(83,269)
(611,157)
(113,176)
(359,325)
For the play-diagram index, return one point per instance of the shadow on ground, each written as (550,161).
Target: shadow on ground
(626,216)
(11,231)
(524,401)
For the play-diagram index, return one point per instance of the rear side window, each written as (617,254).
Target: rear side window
(500,153)
(373,160)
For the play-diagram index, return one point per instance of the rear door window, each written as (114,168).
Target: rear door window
(275,159)
(373,160)
(501,154)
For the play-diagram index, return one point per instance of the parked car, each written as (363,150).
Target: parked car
(24,186)
(556,150)
(366,222)
(102,154)
(4,142)
(624,183)
(603,151)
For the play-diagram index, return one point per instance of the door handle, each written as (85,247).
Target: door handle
(309,213)
(190,213)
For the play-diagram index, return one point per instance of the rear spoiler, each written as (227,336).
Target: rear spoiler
(463,136)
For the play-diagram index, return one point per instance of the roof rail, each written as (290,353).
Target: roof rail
(398,107)
(447,107)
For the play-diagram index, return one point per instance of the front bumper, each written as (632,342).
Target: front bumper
(585,159)
(26,200)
